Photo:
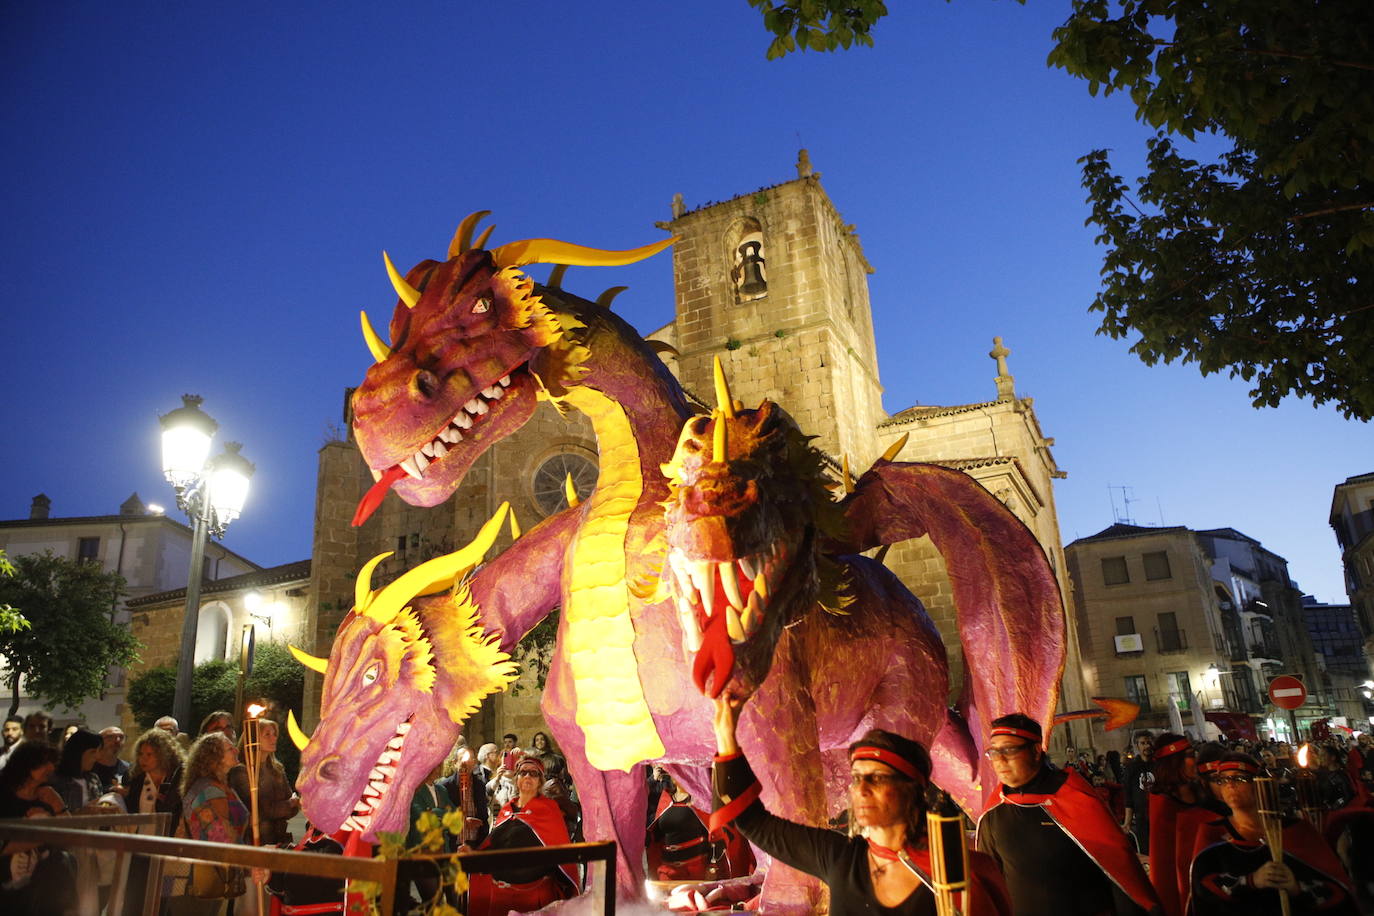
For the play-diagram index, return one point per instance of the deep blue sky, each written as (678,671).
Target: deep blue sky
(195,197)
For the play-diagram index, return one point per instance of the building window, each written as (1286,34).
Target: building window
(1179,686)
(1157,566)
(88,550)
(1114,571)
(1125,626)
(1137,692)
(550,489)
(1168,635)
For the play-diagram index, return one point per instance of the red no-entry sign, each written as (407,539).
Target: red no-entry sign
(1287,692)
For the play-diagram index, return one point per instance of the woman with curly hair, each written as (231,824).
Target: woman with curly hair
(210,811)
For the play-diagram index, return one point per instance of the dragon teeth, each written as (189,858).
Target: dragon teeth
(731,585)
(493,392)
(505,381)
(691,630)
(408,465)
(733,626)
(753,614)
(462,420)
(703,578)
(440,450)
(404,728)
(427,449)
(761,585)
(480,409)
(376,775)
(421,462)
(471,406)
(746,566)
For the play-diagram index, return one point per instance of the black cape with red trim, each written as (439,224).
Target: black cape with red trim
(1080,812)
(1219,876)
(545,819)
(1174,828)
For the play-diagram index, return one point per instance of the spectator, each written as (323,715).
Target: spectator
(210,811)
(169,725)
(510,751)
(220,721)
(38,727)
(13,734)
(33,880)
(154,787)
(109,768)
(277,801)
(554,764)
(75,781)
(467,792)
(1135,783)
(488,761)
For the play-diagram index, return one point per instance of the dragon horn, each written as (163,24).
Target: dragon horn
(555,280)
(314,663)
(482,239)
(439,572)
(604,300)
(514,527)
(571,491)
(662,348)
(409,294)
(380,351)
(895,448)
(462,239)
(720,448)
(293,728)
(848,478)
(552,251)
(723,399)
(362,588)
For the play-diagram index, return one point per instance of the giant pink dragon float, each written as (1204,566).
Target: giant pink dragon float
(752,582)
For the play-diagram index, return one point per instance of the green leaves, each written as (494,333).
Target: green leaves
(1259,262)
(818,25)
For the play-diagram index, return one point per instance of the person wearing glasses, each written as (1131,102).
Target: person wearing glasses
(886,868)
(1058,845)
(1236,873)
(529,819)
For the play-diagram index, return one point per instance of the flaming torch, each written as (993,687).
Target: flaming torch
(251,763)
(1267,795)
(949,865)
(1307,790)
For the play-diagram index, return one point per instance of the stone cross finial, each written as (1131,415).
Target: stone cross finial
(679,207)
(803,164)
(1006,385)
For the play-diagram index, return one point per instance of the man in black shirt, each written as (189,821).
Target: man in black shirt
(1058,845)
(1135,782)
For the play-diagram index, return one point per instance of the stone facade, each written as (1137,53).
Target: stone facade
(1352,518)
(775,284)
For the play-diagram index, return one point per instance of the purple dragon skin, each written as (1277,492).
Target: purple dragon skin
(832,677)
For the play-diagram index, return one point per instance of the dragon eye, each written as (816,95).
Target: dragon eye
(481,305)
(370,675)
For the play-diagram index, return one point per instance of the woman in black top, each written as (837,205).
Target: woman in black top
(886,869)
(33,879)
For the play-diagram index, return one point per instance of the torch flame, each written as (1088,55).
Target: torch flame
(255,710)
(1302,757)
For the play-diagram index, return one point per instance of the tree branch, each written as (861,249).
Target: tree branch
(1329,210)
(1272,52)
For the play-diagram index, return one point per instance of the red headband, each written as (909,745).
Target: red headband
(1209,766)
(1174,747)
(1237,765)
(891,758)
(1016,733)
(530,763)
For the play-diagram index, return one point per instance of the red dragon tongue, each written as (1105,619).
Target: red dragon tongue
(373,497)
(715,659)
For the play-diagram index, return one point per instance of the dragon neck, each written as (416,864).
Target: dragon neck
(636,409)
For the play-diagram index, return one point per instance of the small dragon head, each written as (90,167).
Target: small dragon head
(404,673)
(748,500)
(473,347)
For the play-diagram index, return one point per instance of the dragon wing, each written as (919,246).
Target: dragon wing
(1010,612)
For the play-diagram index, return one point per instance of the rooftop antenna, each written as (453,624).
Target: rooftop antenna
(1124,516)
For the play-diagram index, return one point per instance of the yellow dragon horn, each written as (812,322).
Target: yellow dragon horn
(720,449)
(555,280)
(848,478)
(604,300)
(380,351)
(462,239)
(482,239)
(895,448)
(362,587)
(409,294)
(662,348)
(723,399)
(428,577)
(552,251)
(293,728)
(514,527)
(571,492)
(314,663)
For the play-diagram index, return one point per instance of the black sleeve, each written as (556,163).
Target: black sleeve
(813,850)
(987,837)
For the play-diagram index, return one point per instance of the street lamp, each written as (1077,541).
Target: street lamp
(211,491)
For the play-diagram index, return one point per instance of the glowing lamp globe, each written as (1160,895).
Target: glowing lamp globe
(186,435)
(229,483)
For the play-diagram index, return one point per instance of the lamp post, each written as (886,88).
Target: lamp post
(211,491)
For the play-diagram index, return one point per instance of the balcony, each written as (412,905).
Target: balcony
(1171,640)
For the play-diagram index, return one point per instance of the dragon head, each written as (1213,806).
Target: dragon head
(748,505)
(390,710)
(473,347)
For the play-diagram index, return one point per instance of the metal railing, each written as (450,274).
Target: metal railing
(85,832)
(1171,640)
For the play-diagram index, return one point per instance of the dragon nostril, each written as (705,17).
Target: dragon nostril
(329,769)
(425,383)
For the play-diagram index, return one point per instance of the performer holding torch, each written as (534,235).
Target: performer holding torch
(260,782)
(1264,865)
(888,867)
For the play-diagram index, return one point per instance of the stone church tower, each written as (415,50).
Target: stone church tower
(774,282)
